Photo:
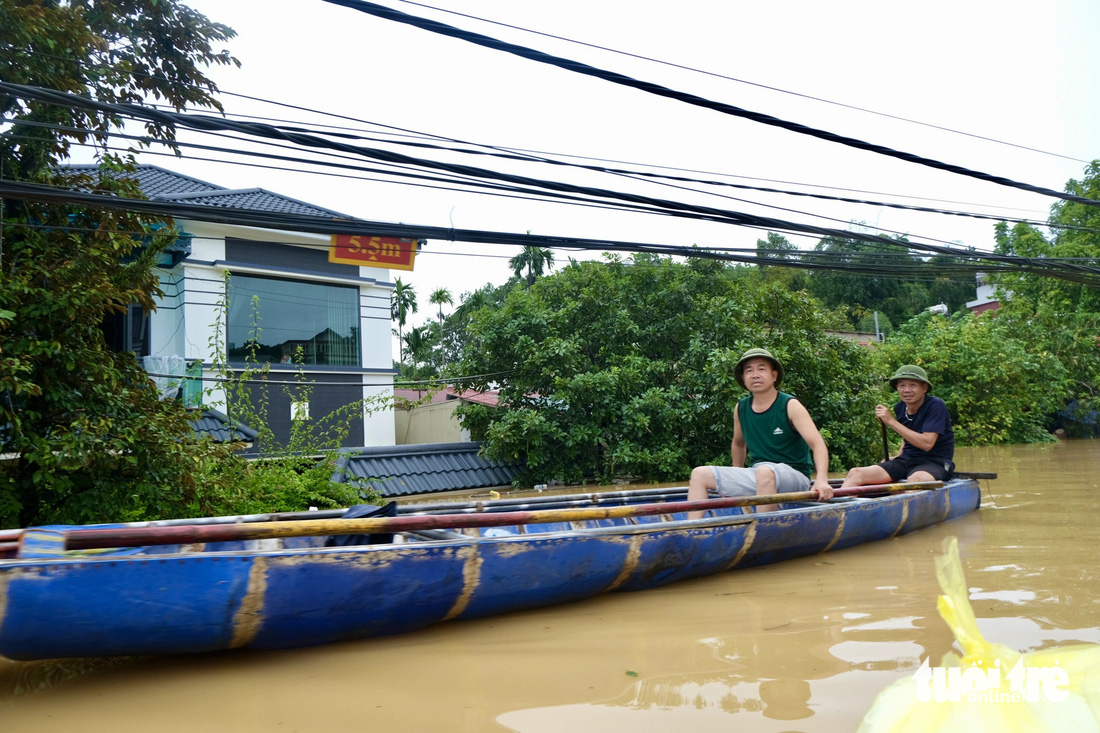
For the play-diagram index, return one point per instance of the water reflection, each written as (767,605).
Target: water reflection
(18,679)
(804,645)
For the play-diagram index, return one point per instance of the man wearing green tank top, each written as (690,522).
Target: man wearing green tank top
(773,434)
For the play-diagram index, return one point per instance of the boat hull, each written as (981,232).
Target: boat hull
(174,601)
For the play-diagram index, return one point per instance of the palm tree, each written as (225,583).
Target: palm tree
(402,303)
(535,259)
(440,297)
(475,300)
(418,342)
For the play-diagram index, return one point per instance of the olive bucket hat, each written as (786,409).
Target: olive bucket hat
(910,371)
(739,367)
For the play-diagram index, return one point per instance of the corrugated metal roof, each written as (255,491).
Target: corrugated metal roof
(221,428)
(404,470)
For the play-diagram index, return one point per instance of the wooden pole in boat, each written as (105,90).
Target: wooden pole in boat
(82,539)
(885,442)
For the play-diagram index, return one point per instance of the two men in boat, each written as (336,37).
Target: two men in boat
(928,440)
(775,432)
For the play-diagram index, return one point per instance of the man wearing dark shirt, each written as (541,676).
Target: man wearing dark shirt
(928,447)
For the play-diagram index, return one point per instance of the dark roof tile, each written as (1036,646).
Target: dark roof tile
(405,470)
(164,185)
(221,428)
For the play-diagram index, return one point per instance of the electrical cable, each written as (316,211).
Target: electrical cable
(746,82)
(657,89)
(436,381)
(625,172)
(527,153)
(245,217)
(201,122)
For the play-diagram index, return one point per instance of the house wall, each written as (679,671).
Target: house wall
(327,393)
(985,298)
(429,424)
(186,321)
(991,305)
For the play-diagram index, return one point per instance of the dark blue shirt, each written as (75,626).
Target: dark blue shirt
(932,417)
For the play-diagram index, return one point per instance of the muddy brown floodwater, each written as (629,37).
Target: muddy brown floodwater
(800,646)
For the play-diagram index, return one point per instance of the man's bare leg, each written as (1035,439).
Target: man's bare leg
(866,475)
(702,480)
(765,484)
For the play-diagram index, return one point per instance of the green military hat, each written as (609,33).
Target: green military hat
(739,368)
(910,371)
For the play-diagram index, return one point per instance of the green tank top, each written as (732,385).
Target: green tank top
(769,435)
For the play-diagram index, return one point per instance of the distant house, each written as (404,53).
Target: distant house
(861,338)
(985,299)
(333,319)
(420,418)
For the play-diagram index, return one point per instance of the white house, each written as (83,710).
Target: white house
(985,298)
(334,318)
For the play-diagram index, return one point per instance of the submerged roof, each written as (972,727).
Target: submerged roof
(404,470)
(160,184)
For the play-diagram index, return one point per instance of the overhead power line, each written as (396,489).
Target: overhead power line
(477,184)
(666,206)
(659,90)
(535,155)
(1073,272)
(758,85)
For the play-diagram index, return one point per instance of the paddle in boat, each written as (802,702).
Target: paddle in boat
(307,578)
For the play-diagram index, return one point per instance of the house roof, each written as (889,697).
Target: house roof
(160,184)
(221,428)
(490,398)
(404,470)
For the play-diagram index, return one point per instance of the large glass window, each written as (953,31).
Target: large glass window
(279,317)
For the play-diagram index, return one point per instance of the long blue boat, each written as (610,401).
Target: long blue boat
(294,591)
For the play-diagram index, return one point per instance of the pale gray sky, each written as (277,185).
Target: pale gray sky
(1013,70)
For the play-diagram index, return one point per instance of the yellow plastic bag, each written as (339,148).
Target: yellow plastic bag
(991,687)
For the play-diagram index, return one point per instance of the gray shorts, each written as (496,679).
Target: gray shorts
(742,481)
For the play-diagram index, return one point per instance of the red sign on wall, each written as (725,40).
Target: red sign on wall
(362,249)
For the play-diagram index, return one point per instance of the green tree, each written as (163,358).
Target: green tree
(535,260)
(625,368)
(92,438)
(897,297)
(454,334)
(402,305)
(954,292)
(418,346)
(1054,315)
(775,246)
(778,247)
